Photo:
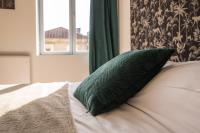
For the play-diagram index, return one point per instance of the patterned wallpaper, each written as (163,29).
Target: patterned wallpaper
(167,23)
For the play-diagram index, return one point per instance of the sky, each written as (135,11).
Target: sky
(56,14)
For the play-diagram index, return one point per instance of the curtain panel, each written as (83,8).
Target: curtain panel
(104,35)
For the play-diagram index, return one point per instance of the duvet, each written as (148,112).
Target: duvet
(170,103)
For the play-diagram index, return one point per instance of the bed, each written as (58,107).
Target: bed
(169,103)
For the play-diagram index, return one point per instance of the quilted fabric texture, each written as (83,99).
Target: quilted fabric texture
(119,79)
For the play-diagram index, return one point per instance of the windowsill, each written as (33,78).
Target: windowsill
(62,53)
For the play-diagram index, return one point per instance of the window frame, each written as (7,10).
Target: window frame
(72,31)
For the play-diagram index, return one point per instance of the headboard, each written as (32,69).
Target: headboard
(14,69)
(167,24)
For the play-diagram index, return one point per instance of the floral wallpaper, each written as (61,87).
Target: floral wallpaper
(7,4)
(167,23)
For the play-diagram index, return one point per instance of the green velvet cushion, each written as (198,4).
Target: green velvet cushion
(120,78)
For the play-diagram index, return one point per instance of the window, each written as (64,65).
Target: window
(64,26)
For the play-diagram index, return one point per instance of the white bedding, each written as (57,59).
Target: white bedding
(170,103)
(37,108)
(15,96)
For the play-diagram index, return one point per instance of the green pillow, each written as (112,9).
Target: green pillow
(119,79)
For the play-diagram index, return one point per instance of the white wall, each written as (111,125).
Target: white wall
(18,34)
(124,23)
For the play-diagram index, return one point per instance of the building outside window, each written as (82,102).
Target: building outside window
(64,26)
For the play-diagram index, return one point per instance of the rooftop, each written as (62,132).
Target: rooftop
(62,33)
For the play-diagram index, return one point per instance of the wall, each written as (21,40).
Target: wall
(18,34)
(167,24)
(124,23)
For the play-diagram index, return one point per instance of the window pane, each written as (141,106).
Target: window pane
(56,25)
(82,25)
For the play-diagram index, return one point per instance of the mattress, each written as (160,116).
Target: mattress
(169,103)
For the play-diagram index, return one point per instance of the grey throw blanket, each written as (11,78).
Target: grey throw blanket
(46,115)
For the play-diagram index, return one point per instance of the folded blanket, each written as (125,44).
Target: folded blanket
(46,115)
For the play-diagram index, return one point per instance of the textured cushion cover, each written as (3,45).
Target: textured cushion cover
(120,78)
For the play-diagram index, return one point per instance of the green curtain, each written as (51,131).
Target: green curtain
(103,36)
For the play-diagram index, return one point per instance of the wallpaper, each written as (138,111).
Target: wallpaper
(7,4)
(167,23)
